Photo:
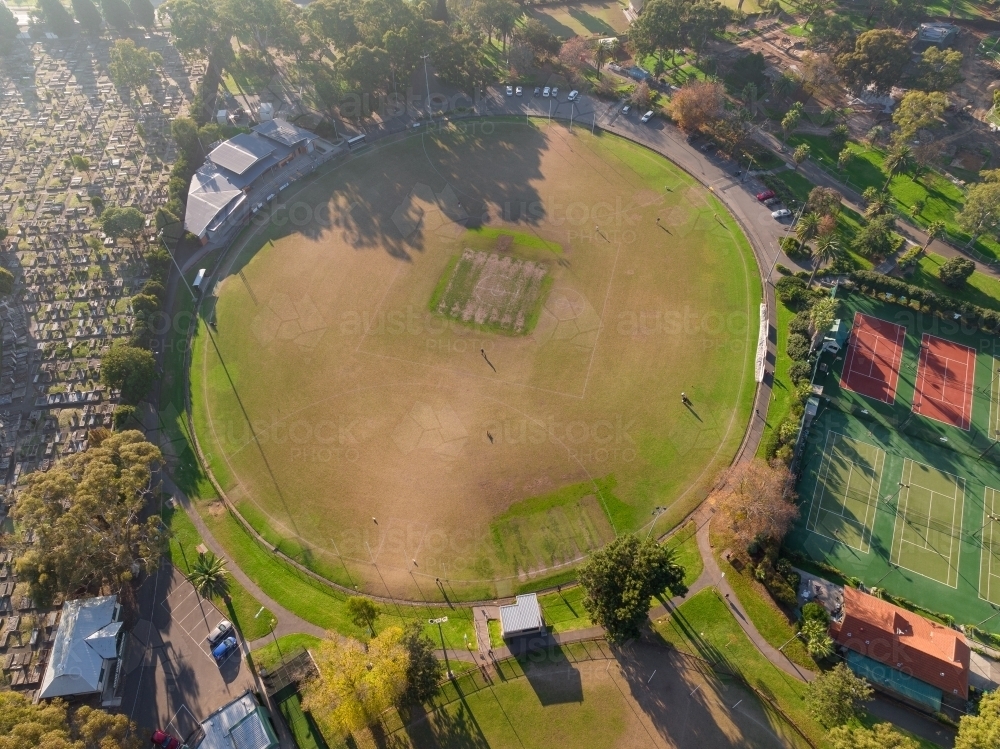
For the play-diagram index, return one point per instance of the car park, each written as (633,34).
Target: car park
(626,109)
(555,91)
(573,94)
(538,90)
(546,92)
(709,147)
(781,213)
(648,116)
(519,91)
(510,90)
(771,201)
(221,651)
(766,195)
(163,740)
(222,629)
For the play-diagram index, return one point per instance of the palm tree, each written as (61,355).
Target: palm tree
(208,576)
(877,205)
(934,230)
(827,248)
(601,55)
(899,159)
(807,228)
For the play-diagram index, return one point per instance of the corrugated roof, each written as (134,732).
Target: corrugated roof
(75,665)
(523,616)
(242,724)
(283,132)
(241,152)
(905,641)
(211,190)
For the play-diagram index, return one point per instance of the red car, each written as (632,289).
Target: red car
(163,740)
(766,195)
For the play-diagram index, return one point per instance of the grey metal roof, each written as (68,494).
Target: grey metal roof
(523,616)
(211,191)
(242,724)
(241,152)
(75,665)
(284,132)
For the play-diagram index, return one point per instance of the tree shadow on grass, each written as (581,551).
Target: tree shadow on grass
(592,23)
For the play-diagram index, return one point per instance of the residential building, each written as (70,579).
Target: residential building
(87,649)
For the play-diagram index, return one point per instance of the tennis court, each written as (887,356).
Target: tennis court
(846,494)
(989,562)
(926,537)
(874,352)
(945,375)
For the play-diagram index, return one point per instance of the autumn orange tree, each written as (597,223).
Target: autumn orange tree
(697,104)
(755,501)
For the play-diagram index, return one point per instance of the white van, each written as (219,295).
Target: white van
(648,116)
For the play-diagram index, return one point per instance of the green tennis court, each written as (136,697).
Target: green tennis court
(846,494)
(989,562)
(926,535)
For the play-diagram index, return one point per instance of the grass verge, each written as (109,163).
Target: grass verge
(268,655)
(980,289)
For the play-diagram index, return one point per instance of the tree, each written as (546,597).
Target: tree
(800,154)
(54,725)
(697,104)
(6,282)
(122,415)
(89,17)
(875,239)
(209,576)
(658,28)
(700,20)
(129,369)
(575,54)
(129,65)
(981,212)
(122,222)
(877,62)
(940,69)
(791,120)
(54,14)
(143,12)
(87,512)
(362,612)
(917,110)
(934,229)
(117,14)
(844,158)
(822,314)
(833,31)
(980,731)
(837,695)
(641,96)
(824,201)
(818,642)
(424,670)
(827,249)
(536,35)
(879,736)
(8,29)
(878,203)
(819,75)
(754,501)
(806,228)
(899,159)
(956,271)
(621,578)
(355,685)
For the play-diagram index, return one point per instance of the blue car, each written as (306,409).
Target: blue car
(221,651)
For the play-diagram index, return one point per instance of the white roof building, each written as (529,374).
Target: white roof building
(88,641)
(242,724)
(524,617)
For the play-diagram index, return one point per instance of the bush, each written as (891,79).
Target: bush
(800,371)
(956,272)
(800,324)
(792,291)
(813,611)
(798,347)
(122,415)
(795,249)
(783,269)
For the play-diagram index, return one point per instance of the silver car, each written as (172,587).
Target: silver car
(781,213)
(222,629)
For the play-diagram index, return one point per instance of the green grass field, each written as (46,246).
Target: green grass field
(980,288)
(588,19)
(907,495)
(489,462)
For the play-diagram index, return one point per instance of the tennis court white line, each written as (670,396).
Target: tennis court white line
(989,508)
(895,360)
(821,478)
(921,386)
(877,488)
(814,519)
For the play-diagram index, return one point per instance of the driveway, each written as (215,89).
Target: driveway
(172,682)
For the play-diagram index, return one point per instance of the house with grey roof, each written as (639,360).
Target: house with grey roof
(522,618)
(935,34)
(242,724)
(87,647)
(218,197)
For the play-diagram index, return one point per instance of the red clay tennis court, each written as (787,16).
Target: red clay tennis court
(944,381)
(874,351)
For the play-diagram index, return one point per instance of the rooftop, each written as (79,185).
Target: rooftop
(242,724)
(241,152)
(525,615)
(87,636)
(905,641)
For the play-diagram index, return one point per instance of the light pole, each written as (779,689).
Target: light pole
(273,622)
(439,621)
(427,83)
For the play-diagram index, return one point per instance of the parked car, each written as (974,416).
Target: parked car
(573,94)
(781,213)
(647,117)
(510,90)
(538,90)
(163,740)
(771,201)
(555,91)
(766,195)
(221,651)
(626,109)
(519,91)
(546,91)
(222,629)
(709,147)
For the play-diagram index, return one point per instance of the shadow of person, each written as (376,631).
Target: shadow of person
(689,407)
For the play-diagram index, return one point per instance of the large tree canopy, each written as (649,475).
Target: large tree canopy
(877,61)
(981,731)
(86,513)
(130,65)
(620,580)
(53,725)
(130,369)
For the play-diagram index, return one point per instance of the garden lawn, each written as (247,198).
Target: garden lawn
(980,289)
(685,544)
(268,655)
(241,606)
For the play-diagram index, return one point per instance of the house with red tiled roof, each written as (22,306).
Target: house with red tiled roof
(902,651)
